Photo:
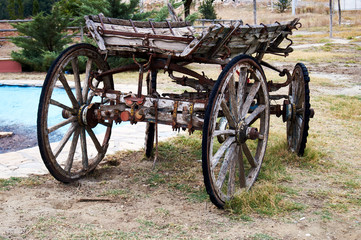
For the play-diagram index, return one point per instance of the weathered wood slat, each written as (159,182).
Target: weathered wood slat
(175,38)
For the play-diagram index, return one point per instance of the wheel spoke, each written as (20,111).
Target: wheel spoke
(252,93)
(61,124)
(58,104)
(90,96)
(70,159)
(232,97)
(226,132)
(64,140)
(95,140)
(242,173)
(222,149)
(75,66)
(106,124)
(249,156)
(299,121)
(86,81)
(241,86)
(223,171)
(227,113)
(84,150)
(232,174)
(250,119)
(294,87)
(300,96)
(68,90)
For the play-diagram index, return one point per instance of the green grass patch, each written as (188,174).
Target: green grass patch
(325,214)
(269,196)
(265,199)
(7,184)
(343,107)
(155,179)
(261,236)
(352,184)
(114,192)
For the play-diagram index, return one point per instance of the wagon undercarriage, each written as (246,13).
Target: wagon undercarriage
(233,111)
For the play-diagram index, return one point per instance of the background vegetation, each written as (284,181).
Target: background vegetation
(17,9)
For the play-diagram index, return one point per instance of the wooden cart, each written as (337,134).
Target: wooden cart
(233,111)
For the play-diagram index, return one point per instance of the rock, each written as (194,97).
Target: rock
(6,134)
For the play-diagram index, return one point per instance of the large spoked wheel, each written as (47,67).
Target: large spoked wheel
(71,140)
(235,130)
(297,111)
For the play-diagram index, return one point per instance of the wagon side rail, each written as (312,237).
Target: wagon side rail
(221,41)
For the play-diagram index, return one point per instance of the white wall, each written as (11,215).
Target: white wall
(348,4)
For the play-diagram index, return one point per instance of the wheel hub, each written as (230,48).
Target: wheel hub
(289,111)
(244,132)
(86,115)
(241,132)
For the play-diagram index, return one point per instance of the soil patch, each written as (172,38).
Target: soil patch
(23,137)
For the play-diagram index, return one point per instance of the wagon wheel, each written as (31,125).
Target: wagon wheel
(297,110)
(74,143)
(232,152)
(150,127)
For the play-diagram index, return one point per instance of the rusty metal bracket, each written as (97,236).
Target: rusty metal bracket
(155,103)
(174,115)
(190,124)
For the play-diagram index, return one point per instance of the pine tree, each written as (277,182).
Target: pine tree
(35,7)
(46,39)
(20,9)
(283,5)
(11,9)
(207,10)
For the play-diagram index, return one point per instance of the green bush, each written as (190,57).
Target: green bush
(40,40)
(283,5)
(207,10)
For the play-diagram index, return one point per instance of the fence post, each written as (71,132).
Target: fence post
(81,33)
(255,11)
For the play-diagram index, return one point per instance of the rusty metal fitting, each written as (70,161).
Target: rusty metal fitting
(252,133)
(125,116)
(139,115)
(276,109)
(312,112)
(66,114)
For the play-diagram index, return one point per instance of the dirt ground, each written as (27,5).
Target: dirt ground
(124,199)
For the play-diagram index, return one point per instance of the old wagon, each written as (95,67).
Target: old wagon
(233,111)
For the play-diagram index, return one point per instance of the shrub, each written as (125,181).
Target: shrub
(283,5)
(43,38)
(207,10)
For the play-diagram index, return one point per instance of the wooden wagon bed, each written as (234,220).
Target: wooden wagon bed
(180,39)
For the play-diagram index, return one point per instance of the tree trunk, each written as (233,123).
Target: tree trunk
(255,11)
(187,7)
(339,12)
(331,18)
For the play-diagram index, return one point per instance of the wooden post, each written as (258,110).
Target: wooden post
(255,11)
(339,12)
(331,18)
(81,33)
(293,7)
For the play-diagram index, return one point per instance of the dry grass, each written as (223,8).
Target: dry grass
(312,15)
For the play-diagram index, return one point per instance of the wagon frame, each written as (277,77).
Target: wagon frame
(233,111)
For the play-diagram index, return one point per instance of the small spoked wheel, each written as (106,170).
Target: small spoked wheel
(235,130)
(297,110)
(71,140)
